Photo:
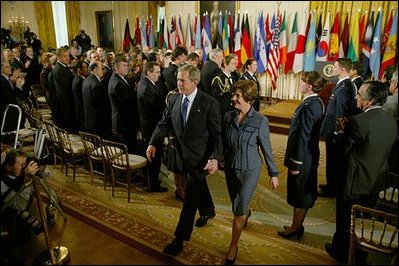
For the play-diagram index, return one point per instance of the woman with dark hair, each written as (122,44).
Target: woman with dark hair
(245,131)
(302,153)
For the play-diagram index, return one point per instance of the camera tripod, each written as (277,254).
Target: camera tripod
(53,255)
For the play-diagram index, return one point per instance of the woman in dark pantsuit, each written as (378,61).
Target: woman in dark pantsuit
(245,131)
(302,153)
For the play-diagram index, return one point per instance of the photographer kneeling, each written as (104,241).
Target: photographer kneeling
(17,224)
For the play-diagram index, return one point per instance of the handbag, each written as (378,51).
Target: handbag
(171,157)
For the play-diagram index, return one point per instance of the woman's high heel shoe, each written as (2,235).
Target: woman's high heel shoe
(246,218)
(298,234)
(229,261)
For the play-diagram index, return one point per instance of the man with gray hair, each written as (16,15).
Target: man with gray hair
(391,105)
(195,118)
(364,141)
(211,69)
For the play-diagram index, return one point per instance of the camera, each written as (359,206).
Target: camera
(40,162)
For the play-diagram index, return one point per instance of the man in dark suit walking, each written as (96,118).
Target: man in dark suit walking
(123,104)
(151,103)
(365,143)
(195,119)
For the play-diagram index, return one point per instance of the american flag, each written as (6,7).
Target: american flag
(273,61)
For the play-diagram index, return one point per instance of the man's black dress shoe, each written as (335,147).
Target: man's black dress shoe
(174,247)
(335,254)
(203,220)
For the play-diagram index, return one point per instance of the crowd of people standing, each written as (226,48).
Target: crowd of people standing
(210,112)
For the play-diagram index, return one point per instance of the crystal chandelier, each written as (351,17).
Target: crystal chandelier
(18,26)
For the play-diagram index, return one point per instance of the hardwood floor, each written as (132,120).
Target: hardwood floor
(86,246)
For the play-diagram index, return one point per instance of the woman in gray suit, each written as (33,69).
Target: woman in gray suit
(245,131)
(303,153)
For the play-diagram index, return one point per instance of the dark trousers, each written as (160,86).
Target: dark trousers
(334,162)
(197,196)
(154,167)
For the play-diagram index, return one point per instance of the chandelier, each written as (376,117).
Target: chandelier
(18,26)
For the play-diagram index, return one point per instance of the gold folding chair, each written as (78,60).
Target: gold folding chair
(73,151)
(93,146)
(373,230)
(122,162)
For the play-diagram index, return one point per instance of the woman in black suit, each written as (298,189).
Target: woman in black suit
(249,69)
(302,153)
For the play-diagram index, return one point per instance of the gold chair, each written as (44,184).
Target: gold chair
(93,147)
(373,230)
(121,161)
(54,143)
(38,97)
(73,151)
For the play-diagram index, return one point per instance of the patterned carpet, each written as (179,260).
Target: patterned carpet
(150,219)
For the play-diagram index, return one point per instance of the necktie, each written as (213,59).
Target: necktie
(184,107)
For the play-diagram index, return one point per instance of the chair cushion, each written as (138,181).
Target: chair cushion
(137,161)
(78,148)
(41,99)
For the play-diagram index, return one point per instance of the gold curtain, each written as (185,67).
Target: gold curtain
(44,11)
(153,11)
(72,9)
(343,7)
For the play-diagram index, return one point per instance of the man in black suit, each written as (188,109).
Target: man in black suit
(62,80)
(365,142)
(8,96)
(151,103)
(211,69)
(194,117)
(95,97)
(342,103)
(123,104)
(80,70)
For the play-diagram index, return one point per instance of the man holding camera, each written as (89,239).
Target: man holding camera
(17,224)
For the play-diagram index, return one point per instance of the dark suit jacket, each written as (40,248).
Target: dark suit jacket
(303,138)
(95,99)
(247,75)
(367,142)
(222,93)
(170,76)
(77,83)
(62,80)
(8,96)
(341,103)
(201,139)
(208,72)
(123,105)
(151,104)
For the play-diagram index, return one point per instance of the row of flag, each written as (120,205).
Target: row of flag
(362,40)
